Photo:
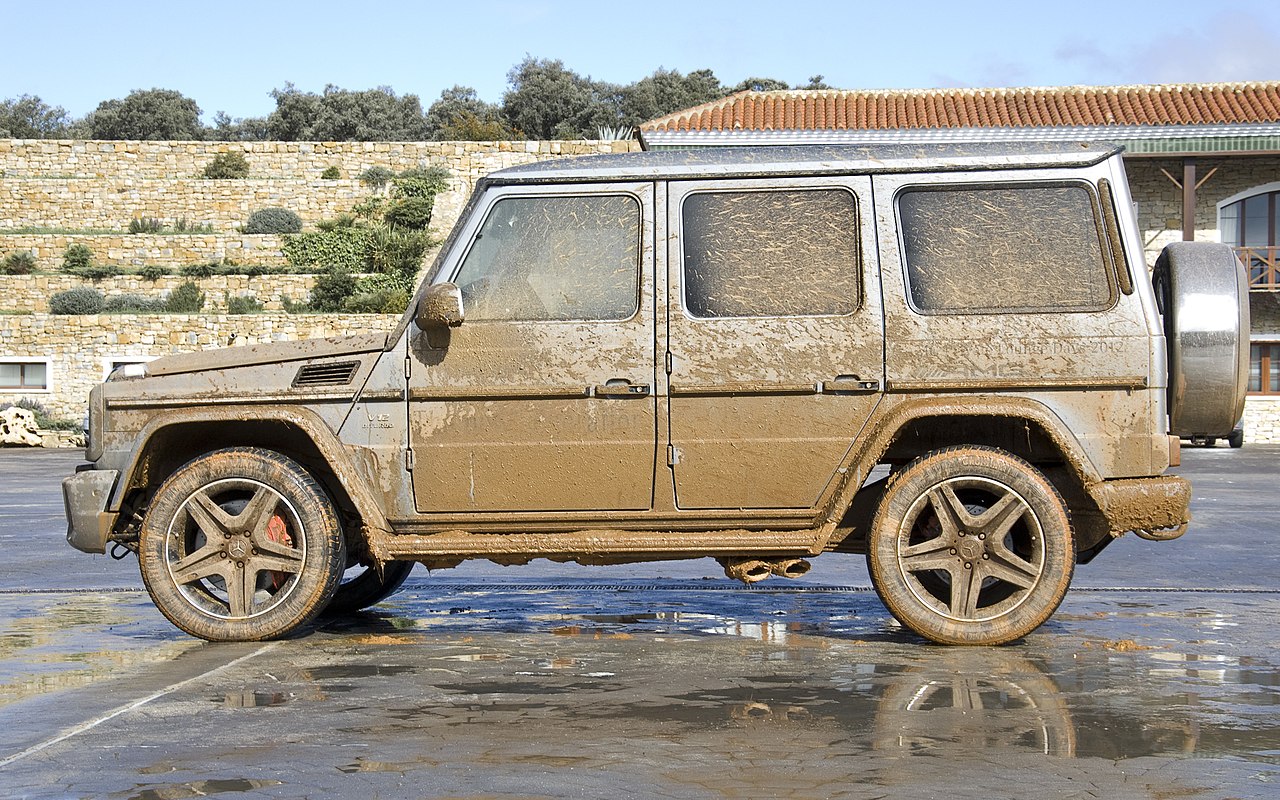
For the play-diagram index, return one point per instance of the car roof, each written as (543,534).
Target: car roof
(805,160)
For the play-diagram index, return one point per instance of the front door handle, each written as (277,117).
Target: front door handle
(621,387)
(849,384)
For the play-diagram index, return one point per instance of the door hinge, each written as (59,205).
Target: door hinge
(408,460)
(673,455)
(669,361)
(408,366)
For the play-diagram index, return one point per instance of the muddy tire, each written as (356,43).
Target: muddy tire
(971,545)
(241,545)
(1236,439)
(362,587)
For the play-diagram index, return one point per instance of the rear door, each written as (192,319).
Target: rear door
(775,337)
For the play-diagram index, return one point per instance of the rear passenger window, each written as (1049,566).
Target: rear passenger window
(782,253)
(980,250)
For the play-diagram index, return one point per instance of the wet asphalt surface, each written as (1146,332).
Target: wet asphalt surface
(1159,677)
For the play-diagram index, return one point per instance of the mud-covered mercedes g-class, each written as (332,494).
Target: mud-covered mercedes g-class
(673,355)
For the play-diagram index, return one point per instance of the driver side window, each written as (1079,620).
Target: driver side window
(554,258)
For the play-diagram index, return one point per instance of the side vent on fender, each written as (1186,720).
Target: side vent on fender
(339,374)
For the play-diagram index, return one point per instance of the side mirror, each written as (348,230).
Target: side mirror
(439,310)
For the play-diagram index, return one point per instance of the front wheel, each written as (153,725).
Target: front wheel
(362,586)
(971,545)
(241,545)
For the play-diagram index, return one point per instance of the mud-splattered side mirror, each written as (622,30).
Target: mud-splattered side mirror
(439,310)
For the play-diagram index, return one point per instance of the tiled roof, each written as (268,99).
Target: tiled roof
(1063,106)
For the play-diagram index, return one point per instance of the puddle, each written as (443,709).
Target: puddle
(254,699)
(181,791)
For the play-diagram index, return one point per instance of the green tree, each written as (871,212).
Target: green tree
(147,114)
(455,104)
(341,115)
(246,129)
(760,85)
(817,82)
(548,101)
(29,117)
(666,91)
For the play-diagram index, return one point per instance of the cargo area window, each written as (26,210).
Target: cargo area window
(777,253)
(1000,249)
(554,258)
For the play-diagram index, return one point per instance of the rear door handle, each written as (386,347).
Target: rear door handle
(849,384)
(621,387)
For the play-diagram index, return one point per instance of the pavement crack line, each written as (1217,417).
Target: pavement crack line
(126,708)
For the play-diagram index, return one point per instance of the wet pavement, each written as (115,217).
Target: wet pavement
(1158,678)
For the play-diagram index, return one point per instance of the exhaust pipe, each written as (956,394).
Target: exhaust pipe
(789,567)
(747,570)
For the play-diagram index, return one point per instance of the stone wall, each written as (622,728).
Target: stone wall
(79,349)
(1262,420)
(136,250)
(65,184)
(31,293)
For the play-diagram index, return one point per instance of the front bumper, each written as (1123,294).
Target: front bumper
(1153,508)
(85,497)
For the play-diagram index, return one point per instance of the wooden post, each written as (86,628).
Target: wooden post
(1188,199)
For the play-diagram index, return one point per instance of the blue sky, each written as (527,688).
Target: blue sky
(229,55)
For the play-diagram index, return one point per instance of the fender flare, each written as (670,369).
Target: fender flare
(353,480)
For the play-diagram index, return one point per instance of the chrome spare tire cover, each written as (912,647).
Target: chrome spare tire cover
(1204,298)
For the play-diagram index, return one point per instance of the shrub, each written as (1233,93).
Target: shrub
(397,252)
(421,181)
(331,290)
(371,209)
(243,304)
(81,300)
(77,258)
(204,269)
(43,420)
(153,272)
(379,294)
(340,221)
(331,173)
(19,263)
(273,220)
(225,166)
(184,226)
(145,225)
(413,213)
(291,306)
(133,304)
(186,299)
(342,248)
(377,177)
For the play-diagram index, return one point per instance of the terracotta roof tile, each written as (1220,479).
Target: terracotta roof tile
(832,109)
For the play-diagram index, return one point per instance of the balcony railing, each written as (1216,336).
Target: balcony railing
(1263,266)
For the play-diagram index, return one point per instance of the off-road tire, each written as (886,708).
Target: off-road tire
(984,508)
(368,589)
(241,544)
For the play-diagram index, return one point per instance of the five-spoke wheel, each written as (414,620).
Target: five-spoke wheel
(971,545)
(241,544)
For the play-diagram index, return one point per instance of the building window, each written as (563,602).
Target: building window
(1264,368)
(1250,226)
(24,375)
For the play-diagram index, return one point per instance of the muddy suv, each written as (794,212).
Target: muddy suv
(672,355)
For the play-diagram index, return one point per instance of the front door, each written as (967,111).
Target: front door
(542,399)
(775,337)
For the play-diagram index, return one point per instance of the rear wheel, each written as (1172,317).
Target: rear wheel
(241,545)
(1236,439)
(971,545)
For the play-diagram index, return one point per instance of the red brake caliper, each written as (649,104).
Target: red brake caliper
(278,532)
